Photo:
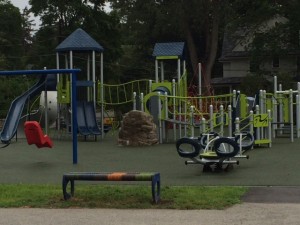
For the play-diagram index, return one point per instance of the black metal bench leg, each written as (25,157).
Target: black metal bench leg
(155,183)
(65,182)
(72,187)
(64,187)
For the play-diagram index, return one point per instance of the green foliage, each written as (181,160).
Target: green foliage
(10,36)
(252,83)
(59,20)
(287,81)
(147,22)
(42,53)
(104,28)
(129,32)
(122,197)
(12,87)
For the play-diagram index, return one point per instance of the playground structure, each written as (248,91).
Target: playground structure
(60,102)
(14,114)
(13,117)
(266,117)
(170,106)
(167,101)
(286,110)
(79,42)
(182,113)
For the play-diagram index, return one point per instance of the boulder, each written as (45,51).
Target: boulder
(138,129)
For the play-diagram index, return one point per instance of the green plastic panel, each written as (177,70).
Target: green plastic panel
(166,57)
(63,92)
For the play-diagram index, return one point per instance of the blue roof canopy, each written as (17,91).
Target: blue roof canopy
(79,41)
(169,49)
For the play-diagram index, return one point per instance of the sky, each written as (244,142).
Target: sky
(21,5)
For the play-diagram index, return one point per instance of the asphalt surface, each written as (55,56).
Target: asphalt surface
(243,214)
(272,195)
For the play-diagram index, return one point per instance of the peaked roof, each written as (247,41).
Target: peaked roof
(228,48)
(169,49)
(79,40)
(234,44)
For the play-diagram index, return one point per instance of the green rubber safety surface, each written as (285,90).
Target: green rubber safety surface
(21,163)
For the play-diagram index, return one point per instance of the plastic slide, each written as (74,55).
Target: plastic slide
(81,121)
(16,108)
(90,116)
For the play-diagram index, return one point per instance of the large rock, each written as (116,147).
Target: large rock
(138,129)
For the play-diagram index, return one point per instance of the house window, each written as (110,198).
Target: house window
(275,62)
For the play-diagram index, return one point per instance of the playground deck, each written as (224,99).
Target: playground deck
(21,163)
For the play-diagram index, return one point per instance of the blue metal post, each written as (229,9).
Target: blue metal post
(74,117)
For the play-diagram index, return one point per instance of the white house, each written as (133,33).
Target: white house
(236,59)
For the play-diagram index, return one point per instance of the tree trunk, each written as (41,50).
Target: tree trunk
(190,43)
(192,50)
(212,47)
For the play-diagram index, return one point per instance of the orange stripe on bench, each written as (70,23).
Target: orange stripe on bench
(115,176)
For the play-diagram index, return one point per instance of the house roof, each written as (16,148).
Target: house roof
(229,43)
(79,41)
(169,49)
(234,43)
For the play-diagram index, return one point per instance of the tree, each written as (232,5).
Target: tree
(197,22)
(202,23)
(60,19)
(27,36)
(10,36)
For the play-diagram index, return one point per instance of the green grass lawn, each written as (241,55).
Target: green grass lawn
(119,196)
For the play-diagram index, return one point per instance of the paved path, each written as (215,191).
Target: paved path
(243,214)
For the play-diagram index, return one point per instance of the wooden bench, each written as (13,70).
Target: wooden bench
(113,176)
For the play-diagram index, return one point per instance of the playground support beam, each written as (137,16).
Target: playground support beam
(94,78)
(46,111)
(200,85)
(297,113)
(179,94)
(102,95)
(74,73)
(162,71)
(58,104)
(291,114)
(88,75)
(156,71)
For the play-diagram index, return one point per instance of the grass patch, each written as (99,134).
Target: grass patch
(119,196)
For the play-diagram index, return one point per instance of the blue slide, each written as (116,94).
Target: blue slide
(81,121)
(86,119)
(16,108)
(90,116)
